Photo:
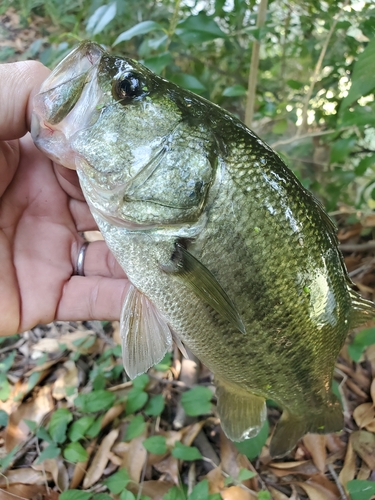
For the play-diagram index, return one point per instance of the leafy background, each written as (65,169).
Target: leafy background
(73,427)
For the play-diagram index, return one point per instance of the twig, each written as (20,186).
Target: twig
(204,446)
(337,481)
(252,82)
(357,247)
(173,24)
(303,136)
(318,69)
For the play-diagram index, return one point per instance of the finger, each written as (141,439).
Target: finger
(19,82)
(82,216)
(99,261)
(92,298)
(68,180)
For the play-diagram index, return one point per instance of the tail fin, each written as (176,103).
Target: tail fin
(291,428)
(363,310)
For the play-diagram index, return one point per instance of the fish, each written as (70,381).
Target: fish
(226,252)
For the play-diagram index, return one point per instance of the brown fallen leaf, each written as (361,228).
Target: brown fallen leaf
(56,467)
(316,446)
(364,415)
(135,456)
(17,431)
(316,492)
(66,384)
(372,390)
(81,467)
(169,467)
(25,475)
(28,492)
(276,494)
(111,414)
(348,471)
(364,445)
(237,493)
(153,489)
(215,480)
(100,459)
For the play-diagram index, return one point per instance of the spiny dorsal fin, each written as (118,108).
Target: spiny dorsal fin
(204,284)
(146,336)
(242,414)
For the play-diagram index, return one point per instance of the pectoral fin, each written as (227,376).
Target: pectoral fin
(146,336)
(204,284)
(241,414)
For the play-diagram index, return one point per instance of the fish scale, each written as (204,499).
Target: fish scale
(224,249)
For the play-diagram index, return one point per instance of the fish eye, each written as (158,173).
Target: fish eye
(128,87)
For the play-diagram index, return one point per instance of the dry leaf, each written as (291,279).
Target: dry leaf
(47,345)
(215,480)
(348,471)
(237,493)
(316,492)
(25,475)
(372,391)
(153,489)
(276,494)
(80,467)
(64,383)
(364,445)
(169,467)
(100,459)
(111,414)
(191,432)
(57,469)
(364,415)
(135,457)
(316,445)
(26,491)
(17,431)
(364,472)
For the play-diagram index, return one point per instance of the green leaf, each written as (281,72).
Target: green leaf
(100,18)
(198,29)
(135,401)
(94,430)
(245,474)
(159,62)
(127,495)
(95,401)
(165,363)
(197,401)
(7,362)
(175,493)
(118,481)
(280,126)
(51,451)
(187,453)
(234,91)
(360,116)
(141,381)
(59,424)
(264,495)
(295,84)
(102,496)
(135,428)
(75,452)
(156,445)
(78,428)
(364,164)
(336,391)
(4,387)
(75,495)
(362,340)
(155,406)
(341,148)
(253,446)
(189,82)
(360,490)
(200,491)
(139,29)
(42,433)
(363,80)
(3,418)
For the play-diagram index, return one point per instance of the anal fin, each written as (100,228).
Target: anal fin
(242,414)
(146,336)
(291,428)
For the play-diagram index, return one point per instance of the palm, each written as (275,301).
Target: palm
(41,213)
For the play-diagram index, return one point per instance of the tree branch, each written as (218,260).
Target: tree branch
(253,73)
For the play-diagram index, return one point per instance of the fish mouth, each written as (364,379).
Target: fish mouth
(67,102)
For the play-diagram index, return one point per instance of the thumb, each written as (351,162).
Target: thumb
(19,82)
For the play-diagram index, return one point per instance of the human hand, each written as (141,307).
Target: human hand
(42,212)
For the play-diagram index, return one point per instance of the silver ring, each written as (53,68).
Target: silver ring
(79,269)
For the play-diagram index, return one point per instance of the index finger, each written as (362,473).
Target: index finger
(19,82)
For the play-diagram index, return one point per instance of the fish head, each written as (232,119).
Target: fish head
(142,157)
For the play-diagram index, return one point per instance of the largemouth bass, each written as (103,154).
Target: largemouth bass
(225,250)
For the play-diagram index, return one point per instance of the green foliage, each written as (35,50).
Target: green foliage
(360,490)
(95,401)
(135,428)
(187,453)
(75,452)
(118,481)
(253,446)
(51,451)
(362,340)
(79,428)
(155,406)
(156,445)
(75,495)
(59,423)
(197,401)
